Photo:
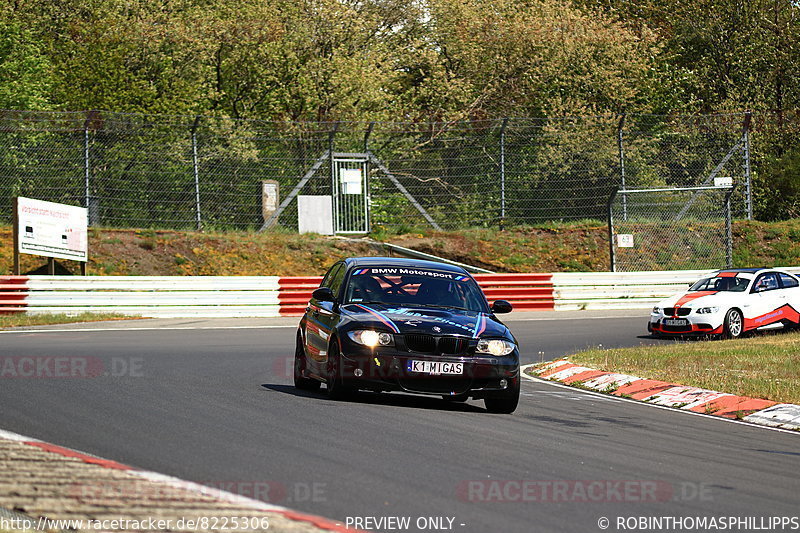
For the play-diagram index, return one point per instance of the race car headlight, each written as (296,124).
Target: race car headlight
(656,309)
(707,310)
(371,338)
(495,347)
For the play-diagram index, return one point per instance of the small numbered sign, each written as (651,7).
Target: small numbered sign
(625,240)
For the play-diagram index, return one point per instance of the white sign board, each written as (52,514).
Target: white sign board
(314,214)
(351,180)
(625,240)
(723,181)
(52,230)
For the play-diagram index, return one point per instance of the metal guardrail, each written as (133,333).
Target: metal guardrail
(623,290)
(273,296)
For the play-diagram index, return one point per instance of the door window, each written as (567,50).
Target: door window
(787,281)
(766,282)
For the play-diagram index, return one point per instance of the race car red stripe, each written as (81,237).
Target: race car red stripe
(784,312)
(380,316)
(688,297)
(727,274)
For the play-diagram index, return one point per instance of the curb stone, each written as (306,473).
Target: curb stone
(754,410)
(39,479)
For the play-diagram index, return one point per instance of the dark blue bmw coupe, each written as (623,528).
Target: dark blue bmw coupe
(388,324)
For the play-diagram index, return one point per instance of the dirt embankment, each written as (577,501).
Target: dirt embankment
(524,249)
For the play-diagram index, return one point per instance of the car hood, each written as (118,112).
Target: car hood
(700,298)
(433,321)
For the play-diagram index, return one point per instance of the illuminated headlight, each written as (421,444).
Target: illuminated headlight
(707,310)
(656,310)
(495,347)
(370,338)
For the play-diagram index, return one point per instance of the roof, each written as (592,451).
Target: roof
(401,262)
(747,270)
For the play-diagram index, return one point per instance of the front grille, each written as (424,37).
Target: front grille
(421,343)
(453,345)
(682,311)
(450,345)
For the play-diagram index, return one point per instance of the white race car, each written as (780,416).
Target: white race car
(729,303)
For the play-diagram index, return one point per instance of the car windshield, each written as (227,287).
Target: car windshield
(414,287)
(725,284)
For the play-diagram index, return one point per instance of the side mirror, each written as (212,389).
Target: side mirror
(323,294)
(501,306)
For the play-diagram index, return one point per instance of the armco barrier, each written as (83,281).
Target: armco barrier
(623,290)
(272,296)
(152,296)
(526,292)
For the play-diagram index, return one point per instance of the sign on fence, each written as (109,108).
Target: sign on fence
(51,230)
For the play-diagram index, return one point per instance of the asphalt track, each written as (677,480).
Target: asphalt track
(216,406)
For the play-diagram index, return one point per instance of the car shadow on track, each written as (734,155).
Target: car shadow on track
(393,399)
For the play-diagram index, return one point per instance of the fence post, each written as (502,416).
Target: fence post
(367,135)
(728,231)
(503,173)
(621,148)
(748,185)
(196,172)
(334,185)
(612,258)
(86,168)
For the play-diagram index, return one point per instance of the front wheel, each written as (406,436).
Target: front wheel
(337,390)
(734,324)
(300,381)
(504,404)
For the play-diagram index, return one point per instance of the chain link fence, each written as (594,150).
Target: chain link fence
(207,172)
(679,228)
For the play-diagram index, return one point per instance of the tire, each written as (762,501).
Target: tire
(337,390)
(301,382)
(504,404)
(733,326)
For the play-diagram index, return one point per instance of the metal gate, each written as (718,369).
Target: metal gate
(350,176)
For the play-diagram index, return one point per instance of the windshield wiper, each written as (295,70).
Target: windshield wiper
(445,307)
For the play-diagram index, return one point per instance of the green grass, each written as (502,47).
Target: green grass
(762,366)
(22,320)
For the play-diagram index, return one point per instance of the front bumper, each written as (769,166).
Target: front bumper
(386,369)
(692,324)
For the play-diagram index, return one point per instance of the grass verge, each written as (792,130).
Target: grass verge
(762,366)
(21,319)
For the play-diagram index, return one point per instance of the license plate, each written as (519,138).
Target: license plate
(676,322)
(435,367)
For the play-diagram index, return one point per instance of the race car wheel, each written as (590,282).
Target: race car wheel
(300,381)
(337,390)
(734,324)
(504,404)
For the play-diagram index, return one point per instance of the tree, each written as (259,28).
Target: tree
(533,58)
(25,71)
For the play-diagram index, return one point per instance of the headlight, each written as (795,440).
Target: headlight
(656,310)
(370,338)
(707,310)
(495,347)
